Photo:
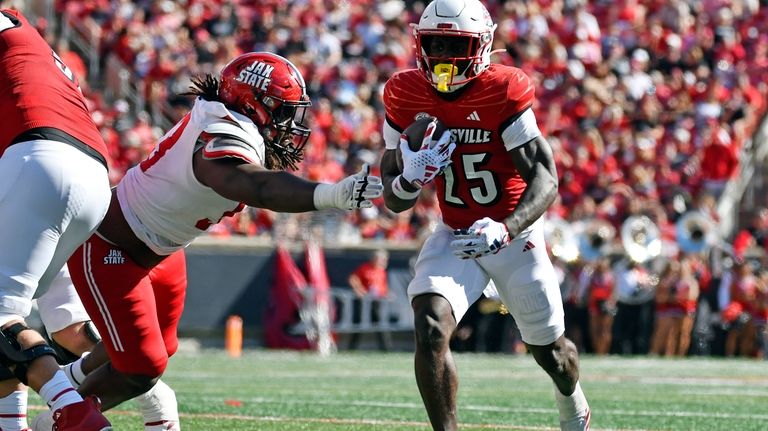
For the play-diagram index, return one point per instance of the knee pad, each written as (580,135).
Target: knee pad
(16,359)
(64,356)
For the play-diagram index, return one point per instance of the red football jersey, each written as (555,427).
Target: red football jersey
(37,89)
(482,181)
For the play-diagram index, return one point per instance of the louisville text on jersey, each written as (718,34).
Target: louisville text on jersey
(471,136)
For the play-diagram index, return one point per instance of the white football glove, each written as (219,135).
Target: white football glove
(353,192)
(485,236)
(421,167)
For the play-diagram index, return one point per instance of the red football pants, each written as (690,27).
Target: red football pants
(136,310)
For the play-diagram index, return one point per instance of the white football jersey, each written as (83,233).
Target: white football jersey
(162,200)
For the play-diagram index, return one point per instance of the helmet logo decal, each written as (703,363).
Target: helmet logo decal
(258,75)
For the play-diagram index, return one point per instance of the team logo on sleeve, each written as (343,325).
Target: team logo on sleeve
(114,257)
(258,75)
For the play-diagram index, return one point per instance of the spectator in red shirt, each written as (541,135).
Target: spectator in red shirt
(719,161)
(370,280)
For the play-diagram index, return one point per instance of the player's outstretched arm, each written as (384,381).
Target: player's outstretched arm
(281,191)
(401,196)
(536,165)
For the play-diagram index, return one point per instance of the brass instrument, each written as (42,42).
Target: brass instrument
(641,238)
(561,238)
(595,239)
(695,232)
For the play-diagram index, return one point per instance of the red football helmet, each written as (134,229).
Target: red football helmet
(269,90)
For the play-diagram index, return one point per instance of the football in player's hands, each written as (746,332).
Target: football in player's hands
(415,134)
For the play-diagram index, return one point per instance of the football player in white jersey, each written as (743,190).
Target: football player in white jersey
(245,128)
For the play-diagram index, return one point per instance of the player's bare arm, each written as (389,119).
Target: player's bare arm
(536,165)
(391,173)
(255,185)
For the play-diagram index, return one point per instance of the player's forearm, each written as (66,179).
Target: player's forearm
(539,194)
(398,194)
(393,201)
(274,190)
(283,192)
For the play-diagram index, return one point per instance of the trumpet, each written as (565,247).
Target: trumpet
(641,238)
(695,232)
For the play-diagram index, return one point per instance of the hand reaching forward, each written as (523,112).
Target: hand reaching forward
(353,192)
(485,236)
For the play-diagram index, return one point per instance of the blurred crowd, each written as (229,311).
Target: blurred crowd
(648,106)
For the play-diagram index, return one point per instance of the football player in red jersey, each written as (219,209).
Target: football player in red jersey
(244,130)
(500,180)
(54,191)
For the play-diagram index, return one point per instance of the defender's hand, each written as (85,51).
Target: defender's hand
(485,236)
(354,192)
(422,166)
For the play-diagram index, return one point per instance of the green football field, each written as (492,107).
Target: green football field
(272,390)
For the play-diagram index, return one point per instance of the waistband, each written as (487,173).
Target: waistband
(53,134)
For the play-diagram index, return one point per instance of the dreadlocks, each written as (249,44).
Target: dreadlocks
(206,87)
(278,155)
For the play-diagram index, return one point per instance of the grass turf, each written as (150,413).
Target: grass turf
(273,390)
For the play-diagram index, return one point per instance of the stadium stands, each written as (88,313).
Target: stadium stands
(650,106)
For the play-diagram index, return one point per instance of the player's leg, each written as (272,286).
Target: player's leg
(66,197)
(13,394)
(13,405)
(119,298)
(169,280)
(441,292)
(529,288)
(74,336)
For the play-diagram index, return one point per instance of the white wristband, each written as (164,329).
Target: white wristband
(400,192)
(324,196)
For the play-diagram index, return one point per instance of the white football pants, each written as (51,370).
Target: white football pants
(52,198)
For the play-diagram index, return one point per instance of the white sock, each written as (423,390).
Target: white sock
(158,407)
(74,371)
(13,411)
(58,392)
(572,406)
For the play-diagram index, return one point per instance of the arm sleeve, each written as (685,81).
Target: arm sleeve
(391,134)
(520,129)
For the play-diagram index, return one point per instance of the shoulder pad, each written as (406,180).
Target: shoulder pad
(229,128)
(227,140)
